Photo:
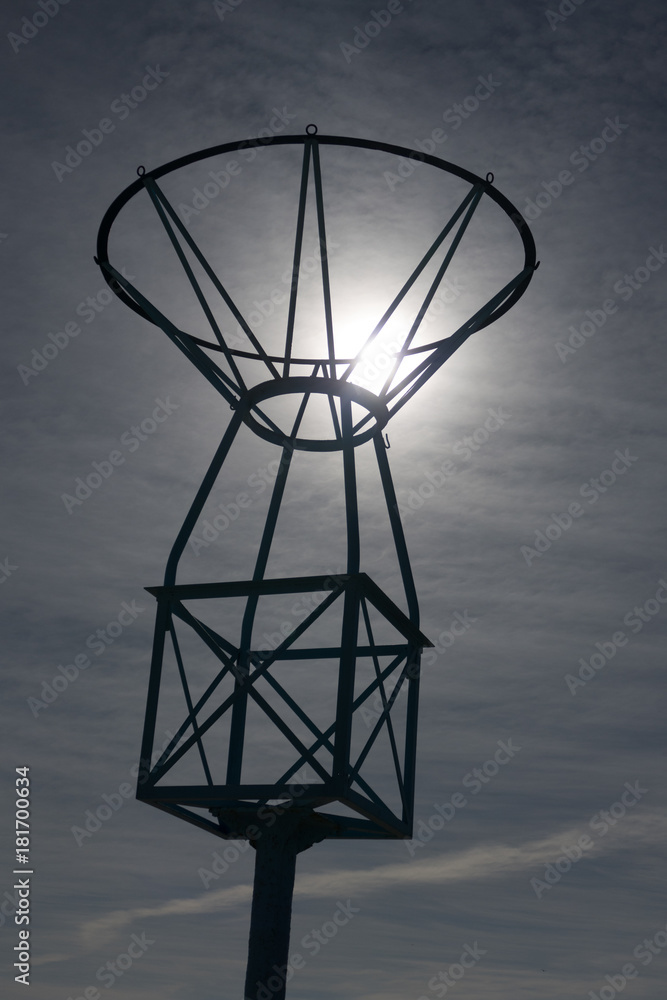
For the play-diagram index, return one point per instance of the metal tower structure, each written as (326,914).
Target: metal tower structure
(355,633)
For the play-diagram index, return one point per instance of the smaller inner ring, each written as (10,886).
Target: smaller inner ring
(311,384)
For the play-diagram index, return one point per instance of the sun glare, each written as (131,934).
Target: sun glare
(377,358)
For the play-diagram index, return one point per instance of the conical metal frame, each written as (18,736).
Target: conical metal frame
(343,780)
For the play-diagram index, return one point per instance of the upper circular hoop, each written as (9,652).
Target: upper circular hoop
(510,210)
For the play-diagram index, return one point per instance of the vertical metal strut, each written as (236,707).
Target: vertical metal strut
(235,756)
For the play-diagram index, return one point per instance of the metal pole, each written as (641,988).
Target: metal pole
(275,868)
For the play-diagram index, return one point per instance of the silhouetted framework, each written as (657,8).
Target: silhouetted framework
(373,630)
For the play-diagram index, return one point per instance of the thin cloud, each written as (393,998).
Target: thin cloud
(55,956)
(474,864)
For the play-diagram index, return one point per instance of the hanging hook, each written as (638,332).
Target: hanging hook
(386,441)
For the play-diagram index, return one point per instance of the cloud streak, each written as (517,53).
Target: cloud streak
(475,864)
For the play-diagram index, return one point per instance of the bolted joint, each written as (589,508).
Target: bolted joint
(283,828)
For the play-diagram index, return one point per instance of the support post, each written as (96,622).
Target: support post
(275,868)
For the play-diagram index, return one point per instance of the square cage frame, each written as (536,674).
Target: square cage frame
(372,818)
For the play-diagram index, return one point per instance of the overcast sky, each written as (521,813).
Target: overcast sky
(544,533)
